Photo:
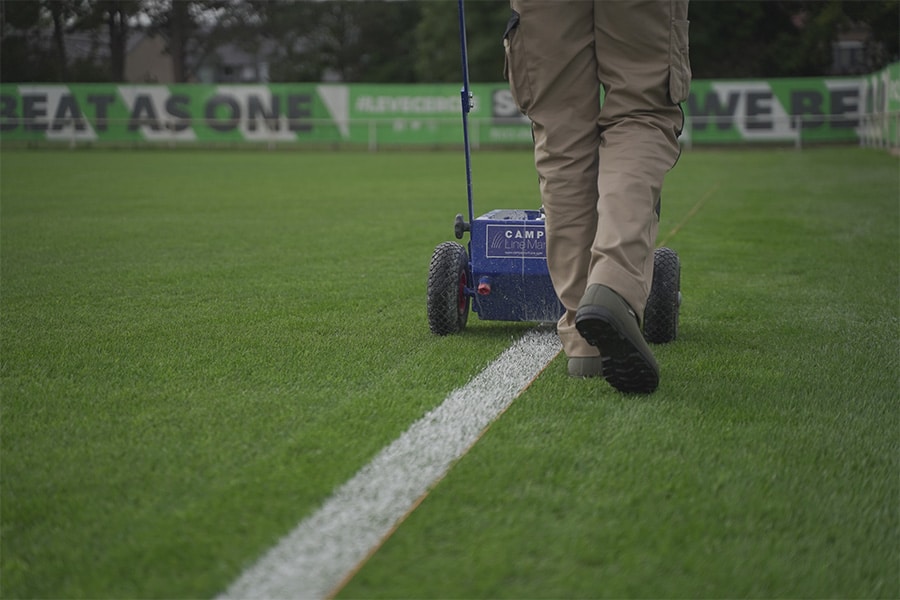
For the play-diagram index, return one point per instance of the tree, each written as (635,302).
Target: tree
(383,44)
(22,55)
(882,18)
(116,13)
(187,26)
(409,40)
(284,24)
(438,44)
(60,11)
(338,39)
(180,27)
(784,38)
(114,16)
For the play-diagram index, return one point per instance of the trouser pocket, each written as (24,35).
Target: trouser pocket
(514,66)
(679,61)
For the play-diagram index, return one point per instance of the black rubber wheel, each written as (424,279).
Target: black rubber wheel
(661,313)
(448,305)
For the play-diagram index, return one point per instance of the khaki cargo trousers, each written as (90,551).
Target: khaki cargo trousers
(600,169)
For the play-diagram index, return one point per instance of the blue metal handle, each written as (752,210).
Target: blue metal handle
(466,101)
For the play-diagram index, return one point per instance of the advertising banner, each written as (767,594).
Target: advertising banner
(180,113)
(815,109)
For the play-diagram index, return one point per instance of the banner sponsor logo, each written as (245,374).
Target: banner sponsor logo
(182,113)
(522,241)
(407,105)
(504,110)
(773,110)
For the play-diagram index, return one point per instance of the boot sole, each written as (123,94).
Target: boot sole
(624,365)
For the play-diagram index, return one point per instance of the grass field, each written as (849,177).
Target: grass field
(198,347)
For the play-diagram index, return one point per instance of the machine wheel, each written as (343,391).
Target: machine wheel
(661,313)
(448,305)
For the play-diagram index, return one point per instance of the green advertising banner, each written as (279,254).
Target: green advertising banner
(813,109)
(179,113)
(775,110)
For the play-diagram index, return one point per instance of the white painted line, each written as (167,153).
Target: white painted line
(319,554)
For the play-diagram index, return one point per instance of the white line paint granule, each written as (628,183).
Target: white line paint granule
(318,555)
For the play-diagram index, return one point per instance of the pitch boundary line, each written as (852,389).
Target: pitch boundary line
(690,215)
(324,550)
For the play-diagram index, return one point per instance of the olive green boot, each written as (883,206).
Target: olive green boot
(606,321)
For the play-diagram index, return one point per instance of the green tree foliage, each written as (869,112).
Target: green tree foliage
(785,38)
(883,17)
(386,46)
(33,32)
(404,41)
(438,44)
(192,29)
(20,27)
(344,40)
(115,17)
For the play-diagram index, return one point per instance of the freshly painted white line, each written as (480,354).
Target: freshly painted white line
(314,558)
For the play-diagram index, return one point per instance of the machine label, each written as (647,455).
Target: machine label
(516,241)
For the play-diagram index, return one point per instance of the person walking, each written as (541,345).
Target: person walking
(601,165)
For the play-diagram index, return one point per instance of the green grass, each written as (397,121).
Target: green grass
(198,347)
